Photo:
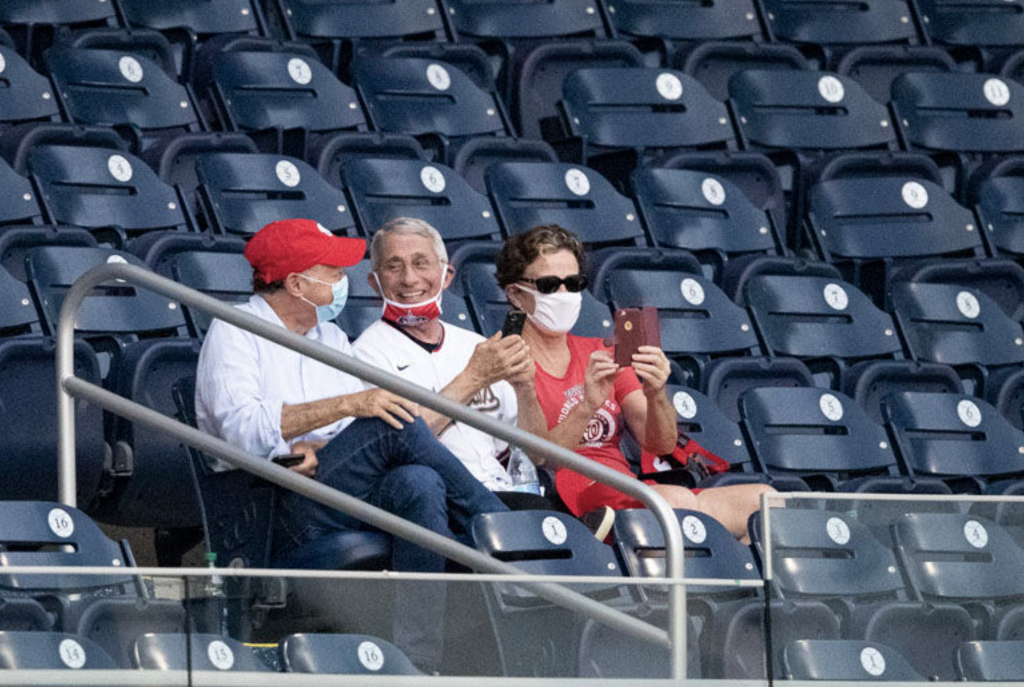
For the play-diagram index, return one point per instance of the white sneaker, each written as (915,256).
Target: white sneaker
(605,526)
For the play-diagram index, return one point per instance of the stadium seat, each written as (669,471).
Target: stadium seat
(337,27)
(18,203)
(714,62)
(832,29)
(28,95)
(980,35)
(876,66)
(475,277)
(536,86)
(343,654)
(560,19)
(338,149)
(279,93)
(869,382)
(121,89)
(824,438)
(382,190)
(845,660)
(528,194)
(968,560)
(51,651)
(955,437)
(240,193)
(999,278)
(618,117)
(110,192)
(831,557)
(33,23)
(418,96)
(474,157)
(982,661)
(642,20)
(195,652)
(698,321)
(997,196)
(728,378)
(534,637)
(827,322)
(870,226)
(211,264)
(703,213)
(958,326)
(115,623)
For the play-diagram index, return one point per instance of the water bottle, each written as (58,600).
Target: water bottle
(522,472)
(217,598)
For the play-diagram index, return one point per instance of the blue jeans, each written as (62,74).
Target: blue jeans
(406,472)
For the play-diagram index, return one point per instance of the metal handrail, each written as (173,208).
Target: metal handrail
(70,386)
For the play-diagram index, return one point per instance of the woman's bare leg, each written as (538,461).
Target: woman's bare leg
(730,506)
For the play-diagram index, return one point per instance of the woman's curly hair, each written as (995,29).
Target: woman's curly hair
(522,249)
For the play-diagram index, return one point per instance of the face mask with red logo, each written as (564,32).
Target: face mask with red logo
(411,315)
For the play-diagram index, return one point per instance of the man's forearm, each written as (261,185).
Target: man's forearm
(462,389)
(302,418)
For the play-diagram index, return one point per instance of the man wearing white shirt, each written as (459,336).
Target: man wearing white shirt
(270,401)
(410,271)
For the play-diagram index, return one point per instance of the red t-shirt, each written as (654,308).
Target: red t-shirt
(600,441)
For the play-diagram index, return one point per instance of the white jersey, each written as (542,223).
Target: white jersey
(388,348)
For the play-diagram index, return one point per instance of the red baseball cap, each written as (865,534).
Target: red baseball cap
(295,245)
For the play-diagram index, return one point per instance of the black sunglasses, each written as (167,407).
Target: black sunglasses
(574,283)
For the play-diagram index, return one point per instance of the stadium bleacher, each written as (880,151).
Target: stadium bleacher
(822,199)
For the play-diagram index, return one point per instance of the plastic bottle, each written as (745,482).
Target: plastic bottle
(216,596)
(522,472)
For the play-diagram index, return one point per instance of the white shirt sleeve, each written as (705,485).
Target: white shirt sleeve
(229,399)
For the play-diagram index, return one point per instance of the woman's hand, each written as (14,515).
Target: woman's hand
(599,379)
(653,369)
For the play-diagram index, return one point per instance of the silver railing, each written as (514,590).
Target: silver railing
(69,386)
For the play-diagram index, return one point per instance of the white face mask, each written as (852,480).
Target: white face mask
(556,312)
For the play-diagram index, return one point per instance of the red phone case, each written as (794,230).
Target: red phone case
(635,327)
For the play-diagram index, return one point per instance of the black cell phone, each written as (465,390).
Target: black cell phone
(514,321)
(288,459)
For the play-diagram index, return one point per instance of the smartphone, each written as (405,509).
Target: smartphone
(635,327)
(288,459)
(514,321)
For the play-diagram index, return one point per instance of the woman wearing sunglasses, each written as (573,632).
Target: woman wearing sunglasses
(584,399)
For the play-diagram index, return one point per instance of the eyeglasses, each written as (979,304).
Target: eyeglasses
(574,283)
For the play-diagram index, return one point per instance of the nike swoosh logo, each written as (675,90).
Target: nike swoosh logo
(402,367)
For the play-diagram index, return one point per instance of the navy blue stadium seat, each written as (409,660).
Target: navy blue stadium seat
(703,213)
(118,88)
(274,93)
(869,382)
(833,29)
(960,116)
(473,158)
(195,652)
(110,192)
(115,623)
(475,277)
(348,654)
(685,23)
(845,660)
(825,438)
(997,195)
(640,113)
(51,651)
(999,278)
(23,615)
(825,321)
(28,96)
(528,194)
(698,321)
(518,19)
(536,85)
(832,557)
(340,148)
(33,23)
(870,226)
(992,660)
(534,637)
(956,437)
(419,96)
(728,378)
(876,66)
(382,190)
(714,62)
(241,193)
(200,17)
(957,325)
(211,264)
(337,27)
(967,560)
(805,110)
(979,34)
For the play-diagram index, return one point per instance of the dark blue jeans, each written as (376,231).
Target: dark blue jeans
(406,472)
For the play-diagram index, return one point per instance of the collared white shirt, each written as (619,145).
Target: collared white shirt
(391,350)
(244,380)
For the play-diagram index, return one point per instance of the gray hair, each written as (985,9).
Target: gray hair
(406,225)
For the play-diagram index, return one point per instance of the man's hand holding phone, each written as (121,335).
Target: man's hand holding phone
(302,459)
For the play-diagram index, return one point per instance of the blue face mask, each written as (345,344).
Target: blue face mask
(327,313)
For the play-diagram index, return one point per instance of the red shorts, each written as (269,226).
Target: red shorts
(583,495)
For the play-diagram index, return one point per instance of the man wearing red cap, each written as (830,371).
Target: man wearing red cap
(271,401)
